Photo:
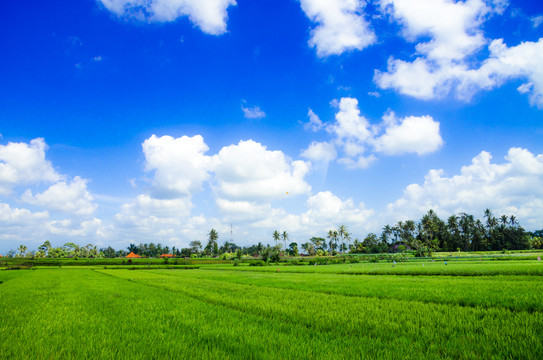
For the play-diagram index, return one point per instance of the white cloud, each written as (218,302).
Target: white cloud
(146,207)
(22,163)
(514,187)
(244,210)
(314,123)
(349,123)
(505,63)
(412,134)
(20,218)
(69,228)
(446,63)
(359,141)
(325,211)
(320,152)
(537,20)
(180,165)
(454,26)
(340,26)
(360,162)
(248,171)
(253,112)
(72,197)
(209,15)
(167,221)
(21,226)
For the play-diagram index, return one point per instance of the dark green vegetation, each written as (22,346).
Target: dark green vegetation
(344,311)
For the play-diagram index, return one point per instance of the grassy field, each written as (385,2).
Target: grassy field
(351,311)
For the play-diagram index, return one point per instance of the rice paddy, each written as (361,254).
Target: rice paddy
(469,310)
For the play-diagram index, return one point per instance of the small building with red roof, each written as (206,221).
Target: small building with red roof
(132,255)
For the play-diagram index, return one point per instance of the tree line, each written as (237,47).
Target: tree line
(461,232)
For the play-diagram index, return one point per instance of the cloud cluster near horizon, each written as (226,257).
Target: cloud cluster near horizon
(250,186)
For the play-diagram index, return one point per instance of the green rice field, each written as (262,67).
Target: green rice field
(462,310)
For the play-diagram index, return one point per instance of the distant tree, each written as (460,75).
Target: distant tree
(45,247)
(371,244)
(284,236)
(276,236)
(22,250)
(109,252)
(212,248)
(195,247)
(319,243)
(343,233)
(133,248)
(333,237)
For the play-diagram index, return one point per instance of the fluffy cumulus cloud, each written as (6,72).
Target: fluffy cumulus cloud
(340,26)
(446,63)
(505,63)
(412,134)
(208,15)
(244,179)
(70,197)
(513,187)
(25,164)
(359,141)
(180,165)
(249,171)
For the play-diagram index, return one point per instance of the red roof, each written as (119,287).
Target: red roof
(166,255)
(132,255)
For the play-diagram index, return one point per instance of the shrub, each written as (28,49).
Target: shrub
(354,260)
(275,257)
(236,262)
(257,263)
(373,259)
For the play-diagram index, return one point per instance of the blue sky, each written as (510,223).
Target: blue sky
(137,121)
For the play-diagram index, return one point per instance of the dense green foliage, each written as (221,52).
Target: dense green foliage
(261,312)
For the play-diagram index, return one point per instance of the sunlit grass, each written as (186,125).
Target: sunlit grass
(97,313)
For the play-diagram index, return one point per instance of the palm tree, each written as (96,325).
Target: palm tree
(276,236)
(344,234)
(284,235)
(22,250)
(513,220)
(332,235)
(387,231)
(212,246)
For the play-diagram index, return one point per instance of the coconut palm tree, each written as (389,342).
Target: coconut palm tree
(276,236)
(284,236)
(344,234)
(22,250)
(332,235)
